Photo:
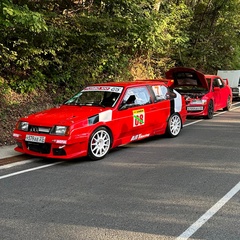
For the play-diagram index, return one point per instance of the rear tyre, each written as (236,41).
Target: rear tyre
(210,110)
(174,125)
(229,104)
(99,143)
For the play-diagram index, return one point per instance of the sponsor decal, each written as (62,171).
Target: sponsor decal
(139,136)
(177,102)
(60,141)
(16,135)
(138,117)
(160,92)
(105,116)
(103,88)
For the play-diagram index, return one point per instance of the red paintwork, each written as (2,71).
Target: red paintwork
(219,96)
(76,118)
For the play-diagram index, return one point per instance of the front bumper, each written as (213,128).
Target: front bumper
(58,147)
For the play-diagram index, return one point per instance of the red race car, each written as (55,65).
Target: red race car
(101,117)
(204,94)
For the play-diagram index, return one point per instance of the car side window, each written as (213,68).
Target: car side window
(217,82)
(160,92)
(136,96)
(221,84)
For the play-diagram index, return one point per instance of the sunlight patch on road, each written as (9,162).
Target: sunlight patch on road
(28,170)
(15,164)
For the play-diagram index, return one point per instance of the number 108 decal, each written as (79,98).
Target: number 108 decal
(138,117)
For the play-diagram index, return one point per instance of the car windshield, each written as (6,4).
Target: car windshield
(104,96)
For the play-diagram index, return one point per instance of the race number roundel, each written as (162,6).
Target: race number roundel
(138,117)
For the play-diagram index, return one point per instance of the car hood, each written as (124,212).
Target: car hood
(66,115)
(186,77)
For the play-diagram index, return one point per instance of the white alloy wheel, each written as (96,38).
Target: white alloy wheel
(99,143)
(174,125)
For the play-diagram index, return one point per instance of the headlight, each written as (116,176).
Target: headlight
(60,130)
(199,101)
(23,126)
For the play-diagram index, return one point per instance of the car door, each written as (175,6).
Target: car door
(216,92)
(220,93)
(224,93)
(163,106)
(135,115)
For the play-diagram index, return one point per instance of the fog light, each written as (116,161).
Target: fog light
(59,152)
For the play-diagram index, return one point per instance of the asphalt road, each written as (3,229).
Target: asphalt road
(182,188)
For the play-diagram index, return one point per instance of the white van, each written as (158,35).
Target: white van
(233,77)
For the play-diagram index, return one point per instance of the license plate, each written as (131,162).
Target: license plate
(37,139)
(194,108)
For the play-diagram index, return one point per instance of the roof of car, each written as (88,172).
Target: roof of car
(135,83)
(211,76)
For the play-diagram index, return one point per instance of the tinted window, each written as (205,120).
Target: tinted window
(217,82)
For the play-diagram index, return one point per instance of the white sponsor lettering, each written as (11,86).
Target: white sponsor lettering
(60,141)
(103,89)
(139,136)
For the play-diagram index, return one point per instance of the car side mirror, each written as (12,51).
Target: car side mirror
(123,105)
(171,95)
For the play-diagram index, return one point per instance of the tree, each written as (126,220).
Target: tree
(19,29)
(214,42)
(72,43)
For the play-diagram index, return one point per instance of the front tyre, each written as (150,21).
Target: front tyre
(174,125)
(210,110)
(99,143)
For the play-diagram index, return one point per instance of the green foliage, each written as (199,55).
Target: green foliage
(68,44)
(13,15)
(214,36)
(20,53)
